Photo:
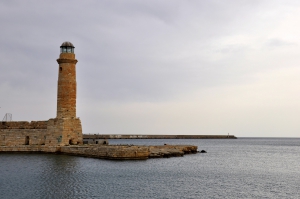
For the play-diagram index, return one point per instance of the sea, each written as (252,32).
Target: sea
(231,168)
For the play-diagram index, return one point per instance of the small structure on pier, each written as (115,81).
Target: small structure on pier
(7,117)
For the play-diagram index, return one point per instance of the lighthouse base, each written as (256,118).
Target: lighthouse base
(63,132)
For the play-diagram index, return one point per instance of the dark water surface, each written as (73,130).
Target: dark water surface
(242,168)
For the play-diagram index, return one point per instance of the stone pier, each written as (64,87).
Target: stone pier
(113,152)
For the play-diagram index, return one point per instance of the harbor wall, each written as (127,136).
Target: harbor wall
(24,125)
(103,136)
(23,133)
(53,132)
(29,149)
(113,152)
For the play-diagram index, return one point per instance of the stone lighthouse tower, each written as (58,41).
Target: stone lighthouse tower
(66,88)
(65,129)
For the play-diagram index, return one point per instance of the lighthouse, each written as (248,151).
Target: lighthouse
(66,128)
(66,85)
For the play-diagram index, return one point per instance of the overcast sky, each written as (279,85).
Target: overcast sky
(157,67)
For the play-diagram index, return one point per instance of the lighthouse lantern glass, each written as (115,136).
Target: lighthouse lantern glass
(66,49)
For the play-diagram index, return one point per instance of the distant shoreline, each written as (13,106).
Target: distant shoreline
(115,136)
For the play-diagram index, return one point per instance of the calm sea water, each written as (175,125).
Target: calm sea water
(242,168)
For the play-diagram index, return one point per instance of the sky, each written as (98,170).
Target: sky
(157,67)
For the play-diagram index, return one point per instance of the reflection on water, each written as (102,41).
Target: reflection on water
(242,168)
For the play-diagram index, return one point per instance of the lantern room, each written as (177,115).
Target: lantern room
(67,47)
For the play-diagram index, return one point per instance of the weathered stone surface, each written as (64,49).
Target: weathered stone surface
(109,152)
(14,137)
(64,131)
(54,132)
(29,149)
(114,152)
(171,150)
(66,87)
(24,125)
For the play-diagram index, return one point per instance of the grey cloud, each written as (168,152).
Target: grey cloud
(276,42)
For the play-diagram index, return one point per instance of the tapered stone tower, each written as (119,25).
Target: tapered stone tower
(66,89)
(65,129)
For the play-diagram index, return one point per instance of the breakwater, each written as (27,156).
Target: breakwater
(114,152)
(103,136)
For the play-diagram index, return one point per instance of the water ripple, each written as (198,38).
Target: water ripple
(243,168)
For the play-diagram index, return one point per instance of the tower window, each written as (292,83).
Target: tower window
(60,68)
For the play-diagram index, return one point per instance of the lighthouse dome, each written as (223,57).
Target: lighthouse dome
(66,44)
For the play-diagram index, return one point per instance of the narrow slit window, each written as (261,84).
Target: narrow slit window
(27,140)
